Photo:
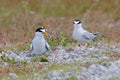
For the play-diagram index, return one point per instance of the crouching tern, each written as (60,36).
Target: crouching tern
(39,45)
(82,35)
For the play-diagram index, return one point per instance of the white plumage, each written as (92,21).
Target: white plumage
(39,45)
(82,35)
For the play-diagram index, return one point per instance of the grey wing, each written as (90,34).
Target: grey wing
(88,36)
(31,47)
(47,46)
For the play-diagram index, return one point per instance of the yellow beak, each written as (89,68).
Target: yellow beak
(45,33)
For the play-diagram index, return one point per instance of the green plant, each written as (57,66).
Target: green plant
(114,78)
(39,59)
(7,59)
(63,39)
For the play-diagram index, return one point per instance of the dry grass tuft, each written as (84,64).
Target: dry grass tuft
(19,69)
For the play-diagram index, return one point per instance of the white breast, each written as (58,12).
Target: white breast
(38,44)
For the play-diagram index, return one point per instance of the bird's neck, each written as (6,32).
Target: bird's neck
(80,26)
(38,34)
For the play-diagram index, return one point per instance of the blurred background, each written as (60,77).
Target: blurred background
(20,18)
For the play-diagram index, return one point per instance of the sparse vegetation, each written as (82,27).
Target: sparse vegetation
(39,59)
(114,78)
(18,20)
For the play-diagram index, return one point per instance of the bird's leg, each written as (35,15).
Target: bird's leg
(79,44)
(86,44)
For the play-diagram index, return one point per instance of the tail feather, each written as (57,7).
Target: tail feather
(96,34)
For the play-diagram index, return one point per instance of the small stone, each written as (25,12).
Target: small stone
(13,75)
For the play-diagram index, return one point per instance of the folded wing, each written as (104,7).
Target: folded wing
(89,36)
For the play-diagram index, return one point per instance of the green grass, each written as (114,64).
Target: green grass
(46,70)
(56,8)
(39,59)
(114,78)
(18,20)
(18,23)
(63,40)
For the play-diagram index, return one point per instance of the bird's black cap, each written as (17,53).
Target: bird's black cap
(76,21)
(40,29)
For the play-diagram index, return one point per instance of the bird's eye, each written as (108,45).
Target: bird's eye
(73,22)
(78,22)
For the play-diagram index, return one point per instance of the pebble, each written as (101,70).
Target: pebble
(85,55)
(13,75)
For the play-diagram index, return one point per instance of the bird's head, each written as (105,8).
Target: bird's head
(77,23)
(41,30)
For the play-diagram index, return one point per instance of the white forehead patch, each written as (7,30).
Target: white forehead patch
(43,30)
(76,22)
